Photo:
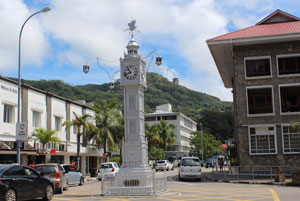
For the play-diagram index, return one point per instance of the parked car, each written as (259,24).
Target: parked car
(210,162)
(164,165)
(56,173)
(109,168)
(189,168)
(73,176)
(19,182)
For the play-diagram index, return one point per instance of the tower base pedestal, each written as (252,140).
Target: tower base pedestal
(136,182)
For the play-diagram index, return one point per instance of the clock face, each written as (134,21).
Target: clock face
(130,72)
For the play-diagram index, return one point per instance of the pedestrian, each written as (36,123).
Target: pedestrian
(221,163)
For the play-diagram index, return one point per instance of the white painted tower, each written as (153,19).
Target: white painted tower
(135,176)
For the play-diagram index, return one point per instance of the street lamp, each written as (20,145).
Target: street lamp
(46,9)
(202,143)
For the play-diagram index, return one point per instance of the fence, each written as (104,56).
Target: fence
(265,174)
(134,184)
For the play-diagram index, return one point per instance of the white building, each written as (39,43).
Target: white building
(184,126)
(40,109)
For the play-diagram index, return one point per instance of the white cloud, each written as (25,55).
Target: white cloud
(33,43)
(80,30)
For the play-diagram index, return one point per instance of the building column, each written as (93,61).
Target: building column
(49,111)
(66,159)
(83,165)
(24,159)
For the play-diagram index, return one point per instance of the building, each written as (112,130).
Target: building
(261,63)
(184,126)
(40,109)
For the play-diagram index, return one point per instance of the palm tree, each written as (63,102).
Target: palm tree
(106,119)
(167,134)
(118,132)
(78,123)
(45,136)
(152,136)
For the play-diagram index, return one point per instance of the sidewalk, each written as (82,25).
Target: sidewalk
(89,179)
(229,178)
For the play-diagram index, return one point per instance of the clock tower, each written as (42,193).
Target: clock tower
(135,176)
(133,82)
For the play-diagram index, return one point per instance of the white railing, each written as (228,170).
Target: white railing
(265,174)
(146,184)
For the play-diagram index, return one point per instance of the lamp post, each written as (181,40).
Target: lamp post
(46,9)
(202,143)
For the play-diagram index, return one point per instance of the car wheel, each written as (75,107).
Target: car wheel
(81,181)
(49,193)
(167,169)
(180,178)
(60,190)
(156,170)
(67,187)
(10,195)
(99,179)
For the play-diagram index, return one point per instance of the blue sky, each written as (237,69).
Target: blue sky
(56,44)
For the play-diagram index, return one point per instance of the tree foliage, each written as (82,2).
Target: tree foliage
(78,122)
(199,106)
(160,91)
(45,136)
(210,144)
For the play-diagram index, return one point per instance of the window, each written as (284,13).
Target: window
(75,129)
(36,119)
(188,123)
(291,140)
(8,113)
(173,117)
(260,101)
(262,140)
(150,118)
(290,98)
(288,65)
(256,67)
(15,171)
(57,123)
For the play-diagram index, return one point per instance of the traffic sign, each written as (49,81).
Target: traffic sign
(21,133)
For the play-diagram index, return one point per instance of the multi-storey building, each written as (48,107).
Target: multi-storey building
(261,64)
(40,109)
(184,126)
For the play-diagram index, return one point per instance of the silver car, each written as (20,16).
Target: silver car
(73,176)
(189,168)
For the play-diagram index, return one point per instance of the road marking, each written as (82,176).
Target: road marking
(274,194)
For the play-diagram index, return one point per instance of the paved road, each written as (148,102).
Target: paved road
(191,191)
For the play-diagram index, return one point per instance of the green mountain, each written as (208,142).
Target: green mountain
(160,91)
(215,115)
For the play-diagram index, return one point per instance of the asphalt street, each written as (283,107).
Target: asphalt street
(191,191)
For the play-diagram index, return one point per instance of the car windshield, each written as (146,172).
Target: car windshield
(104,166)
(45,169)
(190,162)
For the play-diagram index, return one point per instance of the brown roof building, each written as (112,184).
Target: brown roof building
(261,64)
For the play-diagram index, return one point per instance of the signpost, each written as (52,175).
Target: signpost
(21,131)
(21,136)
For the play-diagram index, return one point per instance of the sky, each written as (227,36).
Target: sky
(56,44)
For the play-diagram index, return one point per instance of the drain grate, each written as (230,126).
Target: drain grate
(132,182)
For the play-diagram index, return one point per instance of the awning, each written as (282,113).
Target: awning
(9,146)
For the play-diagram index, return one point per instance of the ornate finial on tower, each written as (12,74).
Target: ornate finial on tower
(132,27)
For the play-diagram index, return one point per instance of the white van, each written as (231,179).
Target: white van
(189,168)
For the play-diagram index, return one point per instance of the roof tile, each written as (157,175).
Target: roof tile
(263,30)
